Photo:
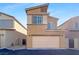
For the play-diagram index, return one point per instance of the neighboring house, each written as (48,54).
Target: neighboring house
(12,33)
(42,29)
(71,28)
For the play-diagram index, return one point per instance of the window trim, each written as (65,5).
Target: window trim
(38,20)
(76,26)
(50,26)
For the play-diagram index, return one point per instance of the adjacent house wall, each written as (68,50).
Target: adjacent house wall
(5,16)
(13,22)
(71,32)
(13,38)
(6,22)
(69,24)
(2,38)
(10,37)
(20,28)
(14,32)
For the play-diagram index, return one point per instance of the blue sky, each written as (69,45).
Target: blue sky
(63,11)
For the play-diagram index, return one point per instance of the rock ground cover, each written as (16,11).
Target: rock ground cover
(39,52)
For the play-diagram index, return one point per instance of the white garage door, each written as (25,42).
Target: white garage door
(45,42)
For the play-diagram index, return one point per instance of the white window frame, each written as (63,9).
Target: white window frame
(76,25)
(50,26)
(38,20)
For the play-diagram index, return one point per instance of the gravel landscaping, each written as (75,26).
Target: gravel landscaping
(39,52)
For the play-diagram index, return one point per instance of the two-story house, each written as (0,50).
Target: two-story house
(12,33)
(42,29)
(71,28)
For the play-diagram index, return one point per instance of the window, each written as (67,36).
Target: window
(37,20)
(76,26)
(6,23)
(51,26)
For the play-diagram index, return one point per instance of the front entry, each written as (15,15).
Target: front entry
(71,43)
(23,41)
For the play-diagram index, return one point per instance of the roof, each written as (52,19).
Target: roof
(37,6)
(54,17)
(13,18)
(68,20)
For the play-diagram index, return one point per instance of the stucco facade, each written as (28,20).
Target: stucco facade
(39,33)
(71,28)
(11,31)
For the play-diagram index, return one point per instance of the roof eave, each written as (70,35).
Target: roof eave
(36,7)
(54,18)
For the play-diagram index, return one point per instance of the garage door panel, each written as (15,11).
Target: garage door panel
(45,42)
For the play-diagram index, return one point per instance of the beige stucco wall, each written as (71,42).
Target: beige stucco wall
(6,24)
(69,24)
(45,17)
(36,28)
(67,42)
(29,19)
(70,31)
(38,10)
(42,29)
(76,41)
(32,28)
(7,38)
(5,17)
(53,21)
(34,11)
(2,38)
(16,24)
(11,36)
(19,28)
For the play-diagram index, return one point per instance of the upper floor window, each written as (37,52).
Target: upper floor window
(51,26)
(6,23)
(37,20)
(76,25)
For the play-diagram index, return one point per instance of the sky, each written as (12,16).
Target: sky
(63,11)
